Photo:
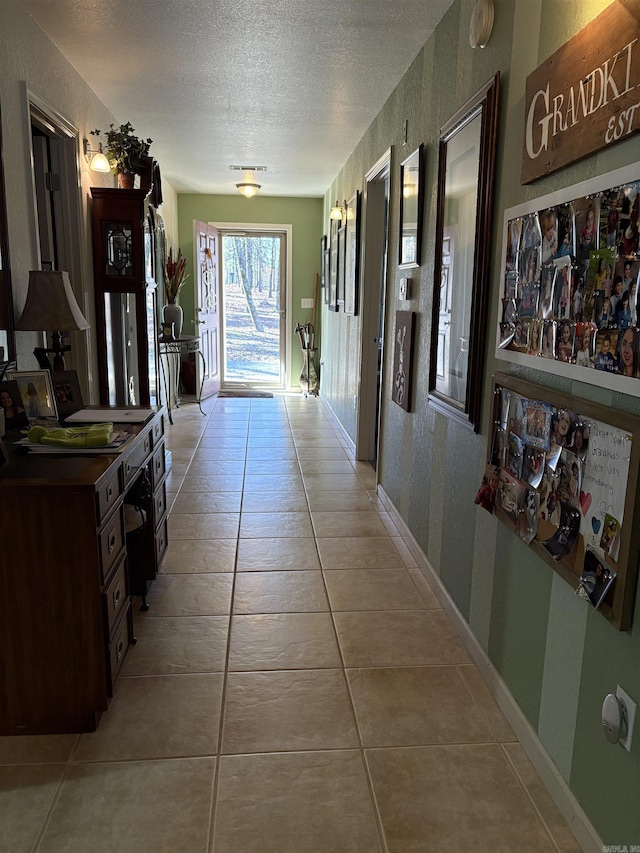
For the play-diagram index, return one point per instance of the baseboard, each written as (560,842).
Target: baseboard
(337,427)
(563,797)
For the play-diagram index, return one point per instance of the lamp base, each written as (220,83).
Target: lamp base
(42,357)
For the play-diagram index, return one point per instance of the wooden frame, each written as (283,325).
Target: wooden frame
(11,402)
(36,391)
(403,359)
(411,206)
(66,390)
(569,206)
(323,249)
(352,256)
(332,295)
(618,605)
(342,251)
(463,248)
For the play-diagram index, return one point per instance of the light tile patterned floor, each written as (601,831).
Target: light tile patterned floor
(295,687)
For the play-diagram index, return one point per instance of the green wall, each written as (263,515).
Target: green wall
(305,217)
(558,659)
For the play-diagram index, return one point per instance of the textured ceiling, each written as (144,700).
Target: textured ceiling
(291,85)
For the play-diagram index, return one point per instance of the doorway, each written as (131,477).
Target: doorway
(57,215)
(374,284)
(254,308)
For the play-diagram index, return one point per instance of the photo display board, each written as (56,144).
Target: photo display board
(563,474)
(570,275)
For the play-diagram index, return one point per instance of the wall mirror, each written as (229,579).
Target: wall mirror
(411,203)
(463,240)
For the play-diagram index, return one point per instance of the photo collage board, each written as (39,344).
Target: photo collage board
(564,478)
(570,279)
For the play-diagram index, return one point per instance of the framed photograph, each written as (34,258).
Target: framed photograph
(323,249)
(66,391)
(352,256)
(332,295)
(15,416)
(467,152)
(411,204)
(342,247)
(326,265)
(36,392)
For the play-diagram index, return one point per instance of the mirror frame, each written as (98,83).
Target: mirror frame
(414,162)
(485,104)
(6,294)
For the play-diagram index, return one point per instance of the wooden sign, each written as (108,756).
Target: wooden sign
(403,358)
(586,96)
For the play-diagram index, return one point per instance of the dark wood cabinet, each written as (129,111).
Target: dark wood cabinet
(128,242)
(65,607)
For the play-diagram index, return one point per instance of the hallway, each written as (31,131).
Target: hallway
(295,687)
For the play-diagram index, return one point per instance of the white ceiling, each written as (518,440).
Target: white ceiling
(290,84)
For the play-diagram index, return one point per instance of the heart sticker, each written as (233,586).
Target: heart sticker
(585,502)
(595,523)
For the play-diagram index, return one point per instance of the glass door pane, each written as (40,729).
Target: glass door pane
(253,308)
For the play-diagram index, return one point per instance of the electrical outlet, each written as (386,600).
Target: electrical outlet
(631,708)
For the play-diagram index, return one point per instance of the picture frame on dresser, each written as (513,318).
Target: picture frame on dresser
(66,390)
(36,392)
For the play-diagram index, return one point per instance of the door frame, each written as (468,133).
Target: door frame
(375,262)
(265,227)
(71,234)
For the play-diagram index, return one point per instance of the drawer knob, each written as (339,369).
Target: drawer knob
(109,492)
(116,598)
(119,650)
(112,541)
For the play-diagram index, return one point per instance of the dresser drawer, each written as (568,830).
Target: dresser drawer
(134,462)
(160,502)
(118,648)
(111,543)
(115,597)
(161,542)
(108,495)
(158,430)
(158,466)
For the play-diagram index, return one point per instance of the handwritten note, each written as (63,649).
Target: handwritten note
(604,485)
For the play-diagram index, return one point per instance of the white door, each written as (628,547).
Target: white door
(207,310)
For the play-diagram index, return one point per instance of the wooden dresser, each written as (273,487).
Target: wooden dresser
(65,608)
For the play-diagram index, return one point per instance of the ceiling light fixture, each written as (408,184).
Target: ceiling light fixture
(248,186)
(99,162)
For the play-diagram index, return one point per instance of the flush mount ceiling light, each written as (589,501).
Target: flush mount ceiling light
(99,162)
(248,186)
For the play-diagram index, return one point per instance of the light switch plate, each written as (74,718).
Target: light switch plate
(306,303)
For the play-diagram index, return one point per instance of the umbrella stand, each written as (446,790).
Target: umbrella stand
(308,374)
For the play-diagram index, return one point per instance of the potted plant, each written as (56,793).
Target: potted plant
(126,153)
(175,276)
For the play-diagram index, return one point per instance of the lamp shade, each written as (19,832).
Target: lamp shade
(50,304)
(99,162)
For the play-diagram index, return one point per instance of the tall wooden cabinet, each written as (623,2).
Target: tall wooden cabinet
(127,268)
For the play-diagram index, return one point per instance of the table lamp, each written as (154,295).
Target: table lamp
(51,306)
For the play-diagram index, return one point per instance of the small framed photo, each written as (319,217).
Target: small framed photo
(66,390)
(15,416)
(36,392)
(412,175)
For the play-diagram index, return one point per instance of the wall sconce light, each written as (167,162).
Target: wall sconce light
(98,161)
(51,306)
(336,211)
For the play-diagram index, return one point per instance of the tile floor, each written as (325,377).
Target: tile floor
(295,687)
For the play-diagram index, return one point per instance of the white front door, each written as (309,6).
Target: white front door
(207,309)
